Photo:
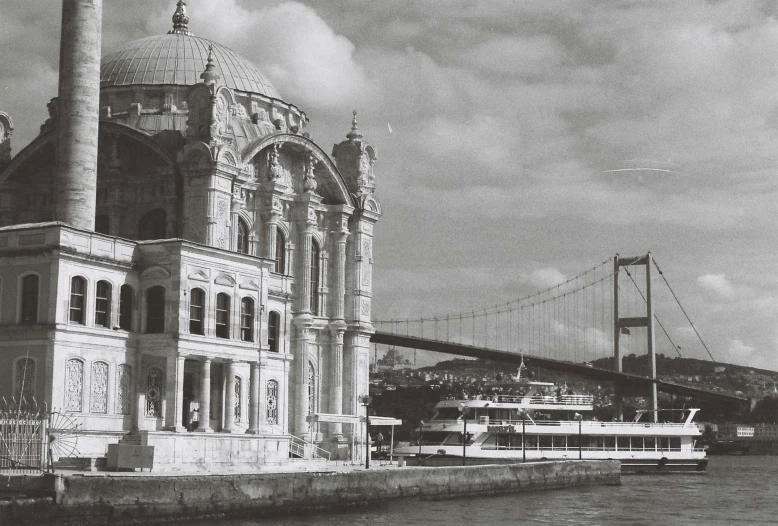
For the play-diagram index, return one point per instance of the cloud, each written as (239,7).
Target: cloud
(545,278)
(717,283)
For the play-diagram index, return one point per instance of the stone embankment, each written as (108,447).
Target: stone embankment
(135,498)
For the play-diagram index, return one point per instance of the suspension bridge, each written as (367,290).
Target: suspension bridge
(604,312)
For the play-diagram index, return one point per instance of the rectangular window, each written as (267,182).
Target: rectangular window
(155,312)
(650,443)
(125,308)
(247,320)
(609,443)
(77,292)
(222,316)
(30,299)
(103,304)
(675,443)
(196,308)
(636,443)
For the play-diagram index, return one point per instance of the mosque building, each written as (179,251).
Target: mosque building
(181,265)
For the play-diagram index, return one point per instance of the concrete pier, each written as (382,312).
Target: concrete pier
(125,498)
(78,112)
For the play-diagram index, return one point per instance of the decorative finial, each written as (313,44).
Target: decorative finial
(180,20)
(354,134)
(210,76)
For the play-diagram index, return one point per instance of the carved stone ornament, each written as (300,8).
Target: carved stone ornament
(309,182)
(274,169)
(99,397)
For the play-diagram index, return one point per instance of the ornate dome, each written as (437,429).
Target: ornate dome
(179,58)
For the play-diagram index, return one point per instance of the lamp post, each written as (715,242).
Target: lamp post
(523,429)
(463,409)
(421,435)
(579,417)
(365,400)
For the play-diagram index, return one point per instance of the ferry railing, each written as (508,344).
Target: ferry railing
(586,424)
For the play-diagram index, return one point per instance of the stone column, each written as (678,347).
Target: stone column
(340,276)
(305,269)
(254,399)
(174,393)
(205,397)
(336,376)
(301,373)
(229,399)
(140,392)
(79,112)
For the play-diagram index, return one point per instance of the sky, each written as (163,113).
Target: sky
(519,142)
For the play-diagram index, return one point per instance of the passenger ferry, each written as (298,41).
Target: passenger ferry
(541,423)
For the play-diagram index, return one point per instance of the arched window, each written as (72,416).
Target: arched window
(315,265)
(74,385)
(272,402)
(238,398)
(311,388)
(243,237)
(153,225)
(103,224)
(155,310)
(123,389)
(196,310)
(247,319)
(280,263)
(273,328)
(99,396)
(30,298)
(25,381)
(103,304)
(222,315)
(154,392)
(77,299)
(125,308)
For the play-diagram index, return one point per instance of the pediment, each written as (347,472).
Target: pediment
(249,284)
(200,275)
(225,279)
(155,273)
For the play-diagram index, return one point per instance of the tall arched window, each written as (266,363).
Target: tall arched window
(315,266)
(152,225)
(247,319)
(273,328)
(154,392)
(125,308)
(243,237)
(30,299)
(123,389)
(311,388)
(99,396)
(103,224)
(103,304)
(272,402)
(238,398)
(196,311)
(155,310)
(74,385)
(280,263)
(222,315)
(77,299)
(25,381)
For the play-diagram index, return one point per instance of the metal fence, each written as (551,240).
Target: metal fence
(23,440)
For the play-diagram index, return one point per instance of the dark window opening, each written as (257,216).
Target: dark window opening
(77,296)
(103,224)
(153,225)
(280,262)
(30,299)
(315,255)
(222,316)
(247,320)
(196,309)
(155,312)
(273,327)
(243,237)
(125,308)
(103,304)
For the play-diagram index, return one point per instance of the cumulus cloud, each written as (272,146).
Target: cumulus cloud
(544,278)
(717,283)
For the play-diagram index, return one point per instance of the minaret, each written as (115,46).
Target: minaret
(79,112)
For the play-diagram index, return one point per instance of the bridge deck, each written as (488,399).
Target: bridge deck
(624,381)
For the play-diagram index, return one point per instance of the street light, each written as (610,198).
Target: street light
(523,429)
(579,417)
(463,410)
(421,435)
(365,400)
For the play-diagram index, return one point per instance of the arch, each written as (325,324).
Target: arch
(117,128)
(103,302)
(153,225)
(74,384)
(223,315)
(197,311)
(242,245)
(315,271)
(77,306)
(279,265)
(343,196)
(35,147)
(273,331)
(155,309)
(29,297)
(247,319)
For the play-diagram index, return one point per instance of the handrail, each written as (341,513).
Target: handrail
(585,424)
(301,447)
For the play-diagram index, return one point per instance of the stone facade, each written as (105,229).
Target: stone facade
(227,284)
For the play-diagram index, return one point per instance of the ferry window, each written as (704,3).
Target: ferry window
(664,445)
(636,443)
(675,443)
(650,443)
(609,442)
(490,442)
(596,442)
(545,441)
(447,413)
(559,441)
(531,442)
(573,441)
(434,438)
(453,439)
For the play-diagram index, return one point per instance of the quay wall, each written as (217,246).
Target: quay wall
(109,499)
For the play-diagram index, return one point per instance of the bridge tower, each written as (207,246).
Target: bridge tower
(646,321)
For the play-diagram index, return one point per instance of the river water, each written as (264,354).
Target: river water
(736,490)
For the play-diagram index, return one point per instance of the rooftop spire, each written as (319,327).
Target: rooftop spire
(354,134)
(180,20)
(210,76)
